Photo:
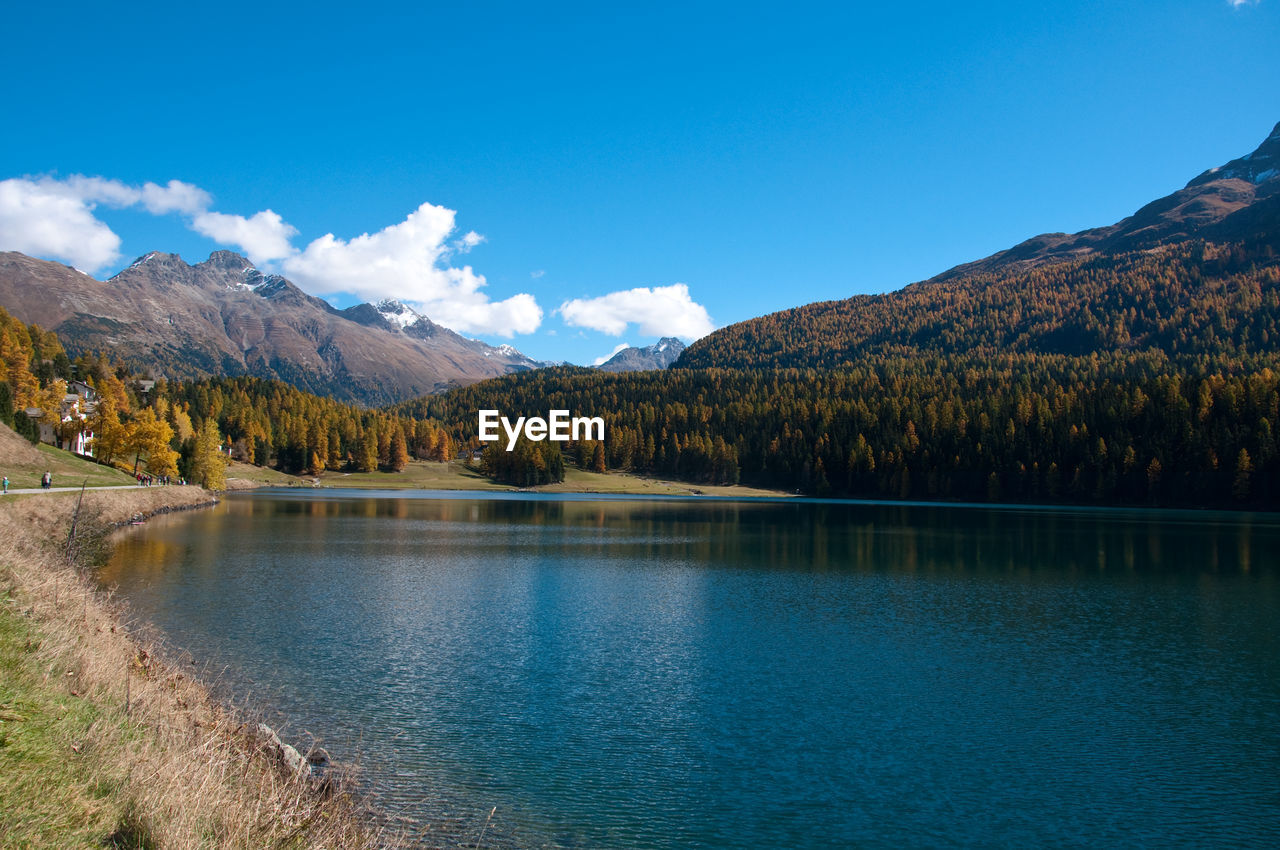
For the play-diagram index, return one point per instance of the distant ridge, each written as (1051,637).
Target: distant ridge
(1238,200)
(660,355)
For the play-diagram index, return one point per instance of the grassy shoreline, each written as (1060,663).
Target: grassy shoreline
(425,475)
(102,743)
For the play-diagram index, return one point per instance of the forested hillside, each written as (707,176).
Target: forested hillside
(1144,378)
(270,423)
(1128,429)
(1189,299)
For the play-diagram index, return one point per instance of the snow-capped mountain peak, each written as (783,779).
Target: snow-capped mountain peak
(397,313)
(501,350)
(660,355)
(1257,167)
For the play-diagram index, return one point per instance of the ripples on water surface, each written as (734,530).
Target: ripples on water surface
(633,674)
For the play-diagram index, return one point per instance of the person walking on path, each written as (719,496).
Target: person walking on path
(47,481)
(6,485)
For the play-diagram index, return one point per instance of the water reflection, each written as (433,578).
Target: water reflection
(832,537)
(629,673)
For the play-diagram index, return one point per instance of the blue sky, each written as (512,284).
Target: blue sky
(569,177)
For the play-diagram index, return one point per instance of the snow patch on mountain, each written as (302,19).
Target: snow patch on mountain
(397,313)
(253,281)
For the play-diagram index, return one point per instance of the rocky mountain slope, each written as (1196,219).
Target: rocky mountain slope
(1224,204)
(660,355)
(224,317)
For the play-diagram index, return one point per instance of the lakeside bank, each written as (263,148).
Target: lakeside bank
(454,475)
(105,743)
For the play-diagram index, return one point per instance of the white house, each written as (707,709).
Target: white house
(77,435)
(73,433)
(83,390)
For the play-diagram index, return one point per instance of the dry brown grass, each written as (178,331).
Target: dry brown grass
(155,762)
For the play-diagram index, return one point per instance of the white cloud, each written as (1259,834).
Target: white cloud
(537,274)
(605,359)
(406,261)
(265,236)
(475,313)
(468,241)
(1236,4)
(660,311)
(41,218)
(47,217)
(94,190)
(175,196)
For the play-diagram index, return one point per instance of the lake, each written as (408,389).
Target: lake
(626,673)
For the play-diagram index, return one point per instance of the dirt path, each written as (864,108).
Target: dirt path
(28,490)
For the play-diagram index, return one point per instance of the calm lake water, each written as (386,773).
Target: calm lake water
(622,673)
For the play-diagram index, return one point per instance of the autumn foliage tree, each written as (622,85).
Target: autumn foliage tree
(208,463)
(149,436)
(399,451)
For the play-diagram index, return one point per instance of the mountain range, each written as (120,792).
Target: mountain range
(225,317)
(1164,278)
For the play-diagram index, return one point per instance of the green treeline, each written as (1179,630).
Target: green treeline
(528,464)
(1129,429)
